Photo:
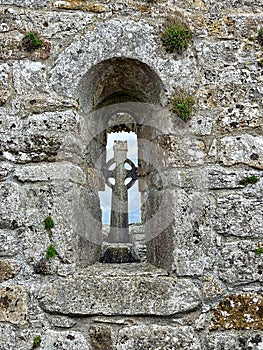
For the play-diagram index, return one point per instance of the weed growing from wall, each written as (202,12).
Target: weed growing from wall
(250,180)
(51,252)
(259,250)
(176,36)
(31,41)
(260,36)
(182,105)
(37,342)
(49,223)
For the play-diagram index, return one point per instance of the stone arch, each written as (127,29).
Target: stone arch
(120,80)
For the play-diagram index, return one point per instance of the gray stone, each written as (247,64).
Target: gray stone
(8,336)
(239,263)
(91,293)
(26,3)
(234,341)
(50,172)
(67,340)
(179,235)
(9,241)
(240,214)
(244,149)
(156,337)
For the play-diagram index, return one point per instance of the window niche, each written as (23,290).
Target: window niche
(111,91)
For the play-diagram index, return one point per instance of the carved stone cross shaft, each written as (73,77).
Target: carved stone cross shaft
(119,226)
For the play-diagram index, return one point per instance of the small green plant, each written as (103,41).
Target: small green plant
(182,106)
(176,36)
(31,41)
(37,342)
(49,222)
(51,252)
(260,36)
(259,250)
(251,38)
(250,180)
(260,63)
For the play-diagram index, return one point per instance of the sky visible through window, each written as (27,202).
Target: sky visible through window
(134,203)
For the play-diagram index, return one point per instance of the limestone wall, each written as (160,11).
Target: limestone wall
(202,285)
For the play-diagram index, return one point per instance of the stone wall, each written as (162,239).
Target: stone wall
(202,285)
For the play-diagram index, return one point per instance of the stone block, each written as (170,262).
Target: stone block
(157,337)
(30,147)
(26,3)
(9,268)
(244,149)
(112,291)
(182,151)
(13,305)
(11,212)
(30,76)
(239,263)
(9,241)
(8,336)
(179,233)
(239,312)
(239,116)
(234,341)
(60,171)
(66,340)
(61,25)
(240,214)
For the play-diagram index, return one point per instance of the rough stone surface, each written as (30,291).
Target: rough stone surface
(52,340)
(13,305)
(201,229)
(240,263)
(246,149)
(239,312)
(8,269)
(89,294)
(234,341)
(155,337)
(241,211)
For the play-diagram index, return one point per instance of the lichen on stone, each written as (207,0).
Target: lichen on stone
(239,311)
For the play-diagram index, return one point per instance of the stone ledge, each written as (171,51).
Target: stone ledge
(104,290)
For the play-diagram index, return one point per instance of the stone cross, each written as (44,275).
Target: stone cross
(119,226)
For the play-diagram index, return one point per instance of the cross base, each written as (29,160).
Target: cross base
(118,253)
